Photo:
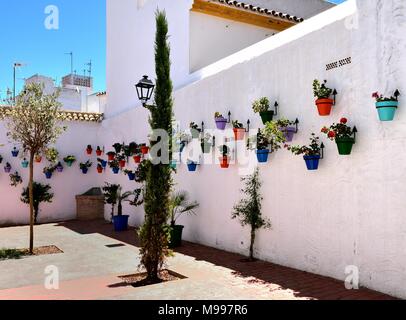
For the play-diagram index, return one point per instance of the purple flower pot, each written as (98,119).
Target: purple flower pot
(289,132)
(59,169)
(7,169)
(221,123)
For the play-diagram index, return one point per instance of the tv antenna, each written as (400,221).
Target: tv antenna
(89,64)
(71,61)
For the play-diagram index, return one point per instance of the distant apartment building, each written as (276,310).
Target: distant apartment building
(76,92)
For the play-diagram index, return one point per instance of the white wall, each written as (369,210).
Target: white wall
(213,38)
(351,211)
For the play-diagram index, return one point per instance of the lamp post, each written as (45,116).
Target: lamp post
(145,88)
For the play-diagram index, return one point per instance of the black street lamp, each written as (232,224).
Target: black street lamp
(145,88)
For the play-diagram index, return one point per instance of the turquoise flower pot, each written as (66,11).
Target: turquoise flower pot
(386,110)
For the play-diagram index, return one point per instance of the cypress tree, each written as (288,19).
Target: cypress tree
(154,234)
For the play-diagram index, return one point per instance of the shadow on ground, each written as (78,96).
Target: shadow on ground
(303,284)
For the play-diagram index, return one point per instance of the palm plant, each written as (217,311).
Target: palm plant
(179,205)
(41,194)
(110,192)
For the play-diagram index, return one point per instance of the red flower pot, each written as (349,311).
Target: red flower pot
(89,151)
(324,106)
(99,169)
(224,162)
(239,134)
(99,153)
(38,159)
(144,150)
(122,163)
(111,156)
(137,159)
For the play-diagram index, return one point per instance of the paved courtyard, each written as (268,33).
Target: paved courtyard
(89,269)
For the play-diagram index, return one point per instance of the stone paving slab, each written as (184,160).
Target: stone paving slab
(89,270)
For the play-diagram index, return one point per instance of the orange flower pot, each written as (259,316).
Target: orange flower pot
(38,159)
(224,162)
(137,159)
(239,134)
(324,106)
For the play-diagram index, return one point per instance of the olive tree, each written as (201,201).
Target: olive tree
(34,122)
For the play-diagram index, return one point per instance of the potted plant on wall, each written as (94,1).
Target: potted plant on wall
(25,163)
(121,160)
(115,166)
(311,153)
(207,142)
(239,130)
(386,106)
(343,135)
(194,130)
(99,168)
(111,155)
(99,151)
(144,148)
(89,149)
(15,152)
(59,167)
(7,168)
(52,155)
(1,159)
(263,107)
(117,147)
(224,158)
(69,160)
(130,174)
(48,171)
(102,163)
(289,128)
(179,205)
(221,122)
(85,166)
(38,158)
(262,147)
(323,94)
(192,165)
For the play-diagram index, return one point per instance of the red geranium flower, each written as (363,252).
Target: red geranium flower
(375,95)
(343,120)
(331,134)
(324,130)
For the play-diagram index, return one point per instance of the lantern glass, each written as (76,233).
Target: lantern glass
(145,88)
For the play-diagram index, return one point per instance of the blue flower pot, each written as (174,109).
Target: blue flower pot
(120,223)
(173,164)
(386,110)
(48,175)
(131,176)
(116,170)
(192,166)
(262,155)
(85,170)
(312,162)
(15,153)
(104,164)
(25,164)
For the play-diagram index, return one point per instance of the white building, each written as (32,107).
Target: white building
(76,92)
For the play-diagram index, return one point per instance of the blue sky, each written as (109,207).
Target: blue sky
(24,38)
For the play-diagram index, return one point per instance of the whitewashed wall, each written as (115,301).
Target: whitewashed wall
(351,211)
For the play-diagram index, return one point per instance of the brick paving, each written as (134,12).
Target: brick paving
(280,282)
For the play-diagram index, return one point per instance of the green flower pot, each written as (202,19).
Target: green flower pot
(176,236)
(206,147)
(267,116)
(344,145)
